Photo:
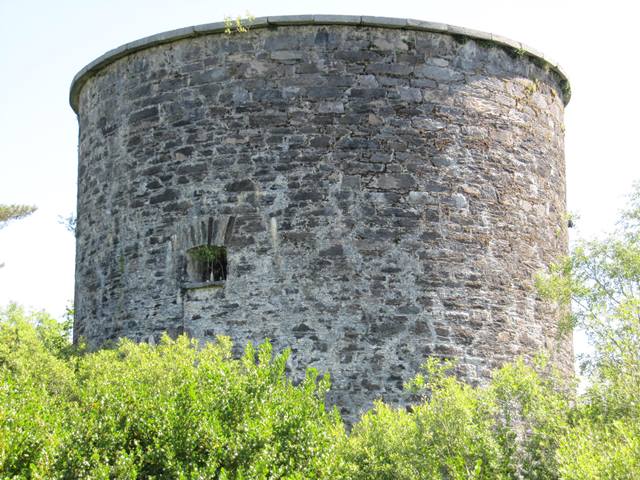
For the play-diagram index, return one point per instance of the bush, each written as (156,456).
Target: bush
(36,383)
(179,411)
(171,411)
(507,429)
(601,281)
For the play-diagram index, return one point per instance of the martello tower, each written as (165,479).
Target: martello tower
(367,191)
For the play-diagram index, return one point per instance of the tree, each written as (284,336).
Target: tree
(600,280)
(14,212)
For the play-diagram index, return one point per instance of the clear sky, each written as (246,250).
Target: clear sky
(43,43)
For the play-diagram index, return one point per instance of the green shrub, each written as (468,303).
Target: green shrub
(36,383)
(180,410)
(597,450)
(171,411)
(507,429)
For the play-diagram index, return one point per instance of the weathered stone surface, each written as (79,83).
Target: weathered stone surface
(384,194)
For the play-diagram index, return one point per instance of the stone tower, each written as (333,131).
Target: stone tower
(367,191)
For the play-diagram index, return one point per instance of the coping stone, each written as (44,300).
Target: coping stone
(469,32)
(290,20)
(159,39)
(259,22)
(427,26)
(216,27)
(532,52)
(337,19)
(384,22)
(506,41)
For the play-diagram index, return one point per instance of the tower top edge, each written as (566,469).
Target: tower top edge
(91,69)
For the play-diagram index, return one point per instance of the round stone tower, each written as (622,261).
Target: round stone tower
(367,191)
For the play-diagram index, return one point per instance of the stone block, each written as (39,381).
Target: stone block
(337,19)
(388,22)
(290,20)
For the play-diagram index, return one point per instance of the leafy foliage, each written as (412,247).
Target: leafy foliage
(505,430)
(171,411)
(35,382)
(178,410)
(601,280)
(238,24)
(14,212)
(209,262)
(208,253)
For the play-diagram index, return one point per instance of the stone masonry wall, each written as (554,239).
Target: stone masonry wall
(383,195)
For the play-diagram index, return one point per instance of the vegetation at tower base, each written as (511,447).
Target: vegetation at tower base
(601,280)
(178,411)
(168,411)
(508,429)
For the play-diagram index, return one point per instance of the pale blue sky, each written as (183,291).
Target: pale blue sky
(44,43)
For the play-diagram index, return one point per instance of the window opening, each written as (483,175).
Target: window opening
(207,263)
